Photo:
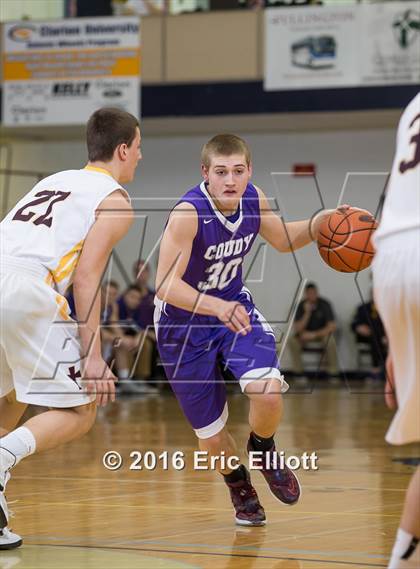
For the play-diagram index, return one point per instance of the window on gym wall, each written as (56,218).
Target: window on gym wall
(30,10)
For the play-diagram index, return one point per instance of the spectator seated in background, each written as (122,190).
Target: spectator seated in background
(315,322)
(117,348)
(130,320)
(141,275)
(368,330)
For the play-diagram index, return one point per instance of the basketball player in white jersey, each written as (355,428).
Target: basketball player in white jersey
(62,231)
(397,296)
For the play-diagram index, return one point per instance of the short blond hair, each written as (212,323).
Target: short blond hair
(224,145)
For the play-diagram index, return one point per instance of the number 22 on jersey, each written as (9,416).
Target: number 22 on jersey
(42,197)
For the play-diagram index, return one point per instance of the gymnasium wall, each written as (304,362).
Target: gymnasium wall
(171,165)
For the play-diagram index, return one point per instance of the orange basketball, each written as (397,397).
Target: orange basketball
(344,240)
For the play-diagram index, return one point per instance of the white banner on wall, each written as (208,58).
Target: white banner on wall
(344,46)
(390,43)
(59,72)
(310,48)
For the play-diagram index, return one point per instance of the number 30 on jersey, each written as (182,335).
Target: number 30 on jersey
(220,275)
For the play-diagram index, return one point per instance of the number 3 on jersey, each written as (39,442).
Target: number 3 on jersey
(220,275)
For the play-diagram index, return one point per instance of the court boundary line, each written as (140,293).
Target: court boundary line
(216,554)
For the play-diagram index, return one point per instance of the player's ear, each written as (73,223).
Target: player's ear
(204,173)
(122,151)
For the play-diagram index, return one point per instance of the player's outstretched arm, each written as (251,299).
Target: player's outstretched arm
(290,236)
(174,256)
(114,217)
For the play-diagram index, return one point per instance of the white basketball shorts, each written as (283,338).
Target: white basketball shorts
(39,346)
(396,276)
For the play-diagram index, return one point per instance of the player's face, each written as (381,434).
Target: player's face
(227,178)
(132,156)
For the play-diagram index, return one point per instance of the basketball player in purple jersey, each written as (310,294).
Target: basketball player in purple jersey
(204,316)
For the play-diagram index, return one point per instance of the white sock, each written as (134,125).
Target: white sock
(405,553)
(15,446)
(124,374)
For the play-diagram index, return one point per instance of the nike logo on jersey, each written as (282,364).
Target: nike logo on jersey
(206,221)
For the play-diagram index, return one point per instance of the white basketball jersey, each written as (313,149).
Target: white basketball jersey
(402,202)
(49,225)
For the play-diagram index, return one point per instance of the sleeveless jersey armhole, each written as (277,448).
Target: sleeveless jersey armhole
(104,197)
(198,234)
(257,205)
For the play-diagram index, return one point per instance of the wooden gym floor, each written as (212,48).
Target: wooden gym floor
(73,513)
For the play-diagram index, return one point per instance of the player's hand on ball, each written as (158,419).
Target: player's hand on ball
(235,317)
(100,380)
(321,216)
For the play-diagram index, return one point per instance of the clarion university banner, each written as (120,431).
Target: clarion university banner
(59,72)
(343,46)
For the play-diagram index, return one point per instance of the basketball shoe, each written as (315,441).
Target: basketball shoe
(248,510)
(8,539)
(282,482)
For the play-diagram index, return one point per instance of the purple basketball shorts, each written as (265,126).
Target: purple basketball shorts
(194,350)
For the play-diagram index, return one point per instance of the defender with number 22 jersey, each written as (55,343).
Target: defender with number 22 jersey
(61,232)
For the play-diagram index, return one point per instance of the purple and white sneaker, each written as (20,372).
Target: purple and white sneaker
(283,483)
(248,510)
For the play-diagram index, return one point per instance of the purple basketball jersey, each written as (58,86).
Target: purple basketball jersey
(219,247)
